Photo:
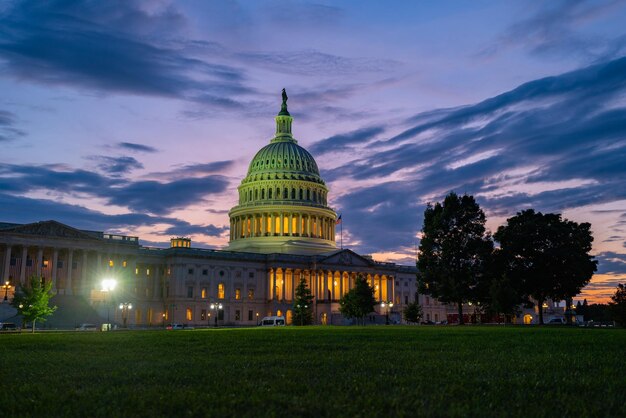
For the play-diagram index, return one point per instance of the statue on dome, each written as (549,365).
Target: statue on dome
(285,98)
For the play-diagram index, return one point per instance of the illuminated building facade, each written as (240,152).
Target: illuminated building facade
(281,230)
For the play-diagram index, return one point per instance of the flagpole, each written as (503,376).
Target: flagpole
(341,226)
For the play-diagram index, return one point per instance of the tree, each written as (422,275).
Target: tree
(303,304)
(547,256)
(413,311)
(454,251)
(504,298)
(358,301)
(618,305)
(33,300)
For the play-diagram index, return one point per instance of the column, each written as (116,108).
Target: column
(284,286)
(83,273)
(293,285)
(39,261)
(23,266)
(272,226)
(156,282)
(53,276)
(68,275)
(282,223)
(341,284)
(325,285)
(273,282)
(7,264)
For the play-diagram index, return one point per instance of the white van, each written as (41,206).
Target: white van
(273,321)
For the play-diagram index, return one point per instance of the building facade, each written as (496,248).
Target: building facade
(281,231)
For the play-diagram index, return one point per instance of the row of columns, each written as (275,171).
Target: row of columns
(282,224)
(325,284)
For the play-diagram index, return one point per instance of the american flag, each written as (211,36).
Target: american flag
(338,220)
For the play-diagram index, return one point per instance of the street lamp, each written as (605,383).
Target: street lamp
(125,307)
(257,318)
(216,307)
(6,286)
(388,305)
(301,313)
(107,286)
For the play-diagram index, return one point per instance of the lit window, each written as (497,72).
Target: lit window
(189,314)
(220,291)
(147,272)
(203,293)
(250,294)
(111,263)
(124,264)
(137,271)
(238,293)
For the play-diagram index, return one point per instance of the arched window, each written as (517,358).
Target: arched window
(301,194)
(256,194)
(269,194)
(285,193)
(314,196)
(308,194)
(293,193)
(263,194)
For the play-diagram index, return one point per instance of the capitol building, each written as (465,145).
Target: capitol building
(281,230)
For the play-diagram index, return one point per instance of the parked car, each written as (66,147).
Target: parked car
(556,321)
(273,321)
(87,327)
(8,327)
(175,326)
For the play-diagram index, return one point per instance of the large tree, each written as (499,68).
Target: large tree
(454,251)
(548,257)
(303,304)
(33,301)
(358,301)
(618,305)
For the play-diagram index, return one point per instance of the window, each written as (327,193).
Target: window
(220,291)
(59,264)
(237,315)
(13,261)
(137,271)
(205,272)
(167,291)
(203,315)
(124,263)
(221,273)
(250,315)
(406,300)
(190,271)
(111,263)
(397,283)
(74,265)
(189,314)
(237,293)
(189,291)
(203,293)
(251,275)
(250,294)
(147,272)
(29,262)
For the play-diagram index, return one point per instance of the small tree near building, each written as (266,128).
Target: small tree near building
(618,305)
(358,301)
(33,301)
(303,304)
(412,312)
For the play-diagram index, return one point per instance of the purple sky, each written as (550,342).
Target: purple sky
(141,118)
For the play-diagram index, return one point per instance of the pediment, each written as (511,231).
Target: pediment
(49,229)
(346,258)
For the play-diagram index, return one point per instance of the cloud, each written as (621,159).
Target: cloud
(554,30)
(8,131)
(553,144)
(155,197)
(131,146)
(186,230)
(110,47)
(116,165)
(342,142)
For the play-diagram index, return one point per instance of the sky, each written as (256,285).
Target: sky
(141,118)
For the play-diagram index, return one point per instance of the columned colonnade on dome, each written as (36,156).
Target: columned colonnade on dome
(326,285)
(294,224)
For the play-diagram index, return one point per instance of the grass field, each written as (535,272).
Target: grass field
(317,371)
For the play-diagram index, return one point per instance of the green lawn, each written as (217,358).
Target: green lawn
(317,371)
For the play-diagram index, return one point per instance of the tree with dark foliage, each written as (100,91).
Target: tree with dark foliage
(33,301)
(412,312)
(303,304)
(454,251)
(358,301)
(546,255)
(618,305)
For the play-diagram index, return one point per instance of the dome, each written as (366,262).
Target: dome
(283,159)
(283,200)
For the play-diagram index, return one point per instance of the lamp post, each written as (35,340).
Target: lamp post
(125,307)
(216,307)
(6,286)
(257,318)
(387,305)
(107,286)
